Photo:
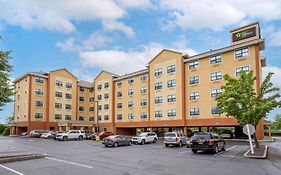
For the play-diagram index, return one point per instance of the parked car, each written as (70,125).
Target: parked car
(36,133)
(105,134)
(174,138)
(56,133)
(48,135)
(24,134)
(88,135)
(116,140)
(188,142)
(226,134)
(71,135)
(145,137)
(207,141)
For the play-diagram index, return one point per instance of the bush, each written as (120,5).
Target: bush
(6,132)
(2,128)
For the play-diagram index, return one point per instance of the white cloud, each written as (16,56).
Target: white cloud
(83,74)
(68,45)
(216,15)
(116,25)
(143,4)
(275,38)
(276,76)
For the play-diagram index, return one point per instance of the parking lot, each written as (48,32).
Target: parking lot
(90,157)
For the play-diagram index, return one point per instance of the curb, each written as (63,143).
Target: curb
(246,140)
(14,158)
(257,157)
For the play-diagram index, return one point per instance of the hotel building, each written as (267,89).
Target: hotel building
(175,92)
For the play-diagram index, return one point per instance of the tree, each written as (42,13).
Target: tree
(241,100)
(5,88)
(276,125)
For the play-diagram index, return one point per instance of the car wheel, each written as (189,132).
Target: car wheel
(106,145)
(64,138)
(142,141)
(167,145)
(180,144)
(130,143)
(49,137)
(154,140)
(115,144)
(223,147)
(216,149)
(194,151)
(80,138)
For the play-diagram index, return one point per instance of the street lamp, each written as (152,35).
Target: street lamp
(97,122)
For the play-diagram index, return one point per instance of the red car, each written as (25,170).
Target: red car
(105,134)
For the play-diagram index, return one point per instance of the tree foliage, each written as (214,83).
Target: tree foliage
(5,88)
(276,125)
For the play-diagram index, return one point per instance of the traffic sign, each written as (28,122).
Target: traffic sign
(251,129)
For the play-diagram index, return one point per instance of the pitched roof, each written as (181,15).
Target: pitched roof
(86,84)
(40,74)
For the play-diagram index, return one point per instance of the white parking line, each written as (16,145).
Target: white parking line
(68,162)
(182,152)
(14,171)
(231,148)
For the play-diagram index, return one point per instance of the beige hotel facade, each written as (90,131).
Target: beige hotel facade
(175,91)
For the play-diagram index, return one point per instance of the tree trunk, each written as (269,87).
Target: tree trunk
(256,141)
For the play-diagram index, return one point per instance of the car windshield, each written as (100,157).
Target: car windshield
(201,136)
(142,134)
(170,135)
(111,137)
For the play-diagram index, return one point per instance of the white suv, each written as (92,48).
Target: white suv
(71,135)
(145,137)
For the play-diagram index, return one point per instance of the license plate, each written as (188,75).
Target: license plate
(200,142)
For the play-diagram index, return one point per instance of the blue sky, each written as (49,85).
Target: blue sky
(121,36)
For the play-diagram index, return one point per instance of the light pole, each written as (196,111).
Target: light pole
(97,122)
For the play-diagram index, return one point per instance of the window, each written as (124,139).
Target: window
(99,107)
(215,59)
(130,104)
(38,115)
(106,107)
(99,118)
(130,92)
(67,117)
(171,98)
(106,96)
(171,83)
(91,90)
(58,105)
(91,108)
(39,91)
(99,87)
(215,92)
(59,83)
(143,115)
(119,83)
(91,119)
(68,85)
(171,112)
(131,116)
(81,99)
(58,94)
(194,80)
(215,110)
(131,80)
(158,114)
(81,118)
(158,72)
(39,104)
(81,108)
(106,85)
(119,116)
(119,105)
(143,77)
(171,69)
(158,100)
(158,86)
(193,64)
(243,52)
(194,96)
(244,68)
(81,89)
(99,97)
(58,116)
(105,117)
(68,96)
(143,90)
(144,102)
(39,80)
(194,112)
(68,106)
(216,76)
(91,99)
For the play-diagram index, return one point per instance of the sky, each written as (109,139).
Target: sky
(121,36)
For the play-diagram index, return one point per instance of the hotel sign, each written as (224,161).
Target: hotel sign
(244,34)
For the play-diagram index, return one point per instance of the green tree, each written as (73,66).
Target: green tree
(240,99)
(5,88)
(276,125)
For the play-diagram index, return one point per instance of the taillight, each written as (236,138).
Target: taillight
(211,142)
(177,139)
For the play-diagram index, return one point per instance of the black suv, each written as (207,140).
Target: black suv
(207,141)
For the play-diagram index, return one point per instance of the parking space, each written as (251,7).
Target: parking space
(90,157)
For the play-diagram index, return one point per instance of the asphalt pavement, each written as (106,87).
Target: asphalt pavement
(90,157)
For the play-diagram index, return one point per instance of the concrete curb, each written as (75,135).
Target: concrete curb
(20,157)
(257,157)
(246,140)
